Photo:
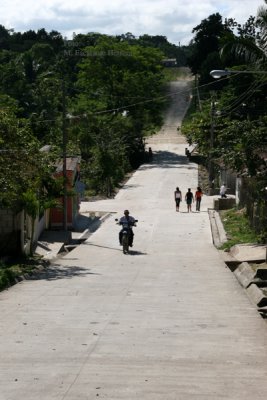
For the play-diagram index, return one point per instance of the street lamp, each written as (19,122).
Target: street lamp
(220,73)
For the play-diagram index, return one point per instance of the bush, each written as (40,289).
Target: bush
(7,277)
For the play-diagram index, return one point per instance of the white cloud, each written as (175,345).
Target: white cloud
(172,18)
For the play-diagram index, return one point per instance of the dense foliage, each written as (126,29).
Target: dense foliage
(229,123)
(231,114)
(105,92)
(23,166)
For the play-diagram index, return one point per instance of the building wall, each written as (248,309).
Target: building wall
(56,214)
(10,232)
(15,232)
(7,221)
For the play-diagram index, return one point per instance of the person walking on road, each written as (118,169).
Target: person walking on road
(189,198)
(198,196)
(177,198)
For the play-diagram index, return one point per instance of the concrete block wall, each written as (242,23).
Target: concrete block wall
(224,204)
(6,221)
(10,233)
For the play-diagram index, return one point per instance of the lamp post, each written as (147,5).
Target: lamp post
(220,73)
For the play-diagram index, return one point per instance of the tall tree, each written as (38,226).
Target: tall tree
(120,87)
(206,40)
(22,165)
(250,46)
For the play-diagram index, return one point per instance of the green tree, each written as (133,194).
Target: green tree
(169,50)
(31,206)
(120,89)
(250,46)
(206,40)
(23,166)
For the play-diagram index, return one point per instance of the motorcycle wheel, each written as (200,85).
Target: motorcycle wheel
(125,244)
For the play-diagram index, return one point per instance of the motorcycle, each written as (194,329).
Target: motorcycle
(125,233)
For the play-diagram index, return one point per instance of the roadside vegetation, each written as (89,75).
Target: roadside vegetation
(227,118)
(237,228)
(106,93)
(14,271)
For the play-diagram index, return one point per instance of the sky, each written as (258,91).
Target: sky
(174,19)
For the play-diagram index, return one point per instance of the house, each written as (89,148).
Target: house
(16,227)
(169,62)
(73,194)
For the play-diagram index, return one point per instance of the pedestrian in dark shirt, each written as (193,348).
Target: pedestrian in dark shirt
(189,198)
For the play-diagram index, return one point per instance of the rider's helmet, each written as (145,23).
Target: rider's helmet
(126,212)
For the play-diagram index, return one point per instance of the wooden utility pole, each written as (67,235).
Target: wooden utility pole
(211,177)
(64,151)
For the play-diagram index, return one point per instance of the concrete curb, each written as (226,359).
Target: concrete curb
(51,243)
(263,312)
(257,295)
(248,252)
(217,229)
(246,275)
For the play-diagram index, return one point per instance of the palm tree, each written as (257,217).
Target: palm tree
(251,49)
(262,22)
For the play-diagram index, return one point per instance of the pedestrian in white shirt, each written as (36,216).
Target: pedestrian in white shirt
(223,191)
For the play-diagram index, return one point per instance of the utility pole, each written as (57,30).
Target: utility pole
(197,97)
(64,151)
(211,177)
(266,219)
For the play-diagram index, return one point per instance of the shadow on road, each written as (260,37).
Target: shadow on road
(136,253)
(132,252)
(166,159)
(54,272)
(129,186)
(84,222)
(103,247)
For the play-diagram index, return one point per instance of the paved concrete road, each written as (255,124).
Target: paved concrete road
(167,322)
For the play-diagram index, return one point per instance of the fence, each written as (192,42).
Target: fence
(253,196)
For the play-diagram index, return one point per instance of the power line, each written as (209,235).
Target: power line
(147,100)
(234,106)
(124,107)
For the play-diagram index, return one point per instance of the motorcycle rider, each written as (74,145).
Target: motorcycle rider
(127,218)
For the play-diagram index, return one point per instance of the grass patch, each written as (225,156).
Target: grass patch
(237,228)
(12,272)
